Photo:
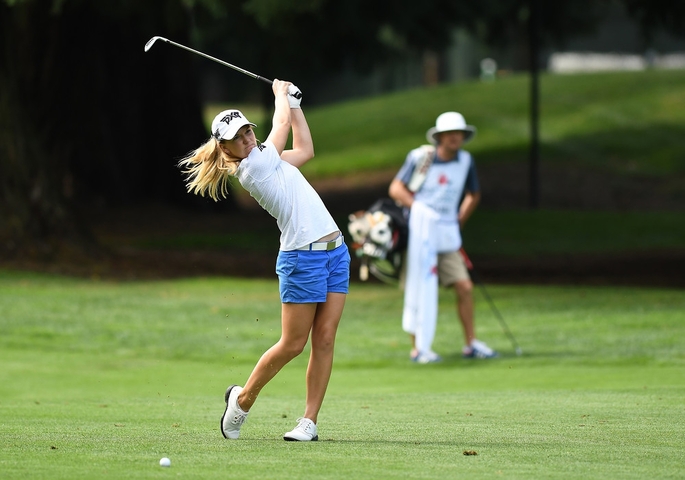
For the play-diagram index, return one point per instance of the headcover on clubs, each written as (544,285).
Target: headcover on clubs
(379,237)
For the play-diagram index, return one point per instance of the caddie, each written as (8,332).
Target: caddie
(438,186)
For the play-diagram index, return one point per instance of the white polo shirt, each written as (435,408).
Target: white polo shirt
(281,189)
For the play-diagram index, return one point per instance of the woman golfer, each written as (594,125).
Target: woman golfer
(313,263)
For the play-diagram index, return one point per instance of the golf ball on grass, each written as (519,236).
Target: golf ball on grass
(165,462)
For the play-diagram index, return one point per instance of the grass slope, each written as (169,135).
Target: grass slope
(622,122)
(101,379)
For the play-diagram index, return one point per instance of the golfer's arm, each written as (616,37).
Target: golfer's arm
(281,123)
(400,193)
(303,145)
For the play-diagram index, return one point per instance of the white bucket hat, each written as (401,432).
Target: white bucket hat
(227,123)
(449,122)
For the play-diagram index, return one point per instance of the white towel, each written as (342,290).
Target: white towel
(420,314)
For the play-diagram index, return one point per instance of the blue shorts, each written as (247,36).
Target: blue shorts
(307,277)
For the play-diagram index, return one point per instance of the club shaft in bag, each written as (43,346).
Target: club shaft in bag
(499,317)
(151,42)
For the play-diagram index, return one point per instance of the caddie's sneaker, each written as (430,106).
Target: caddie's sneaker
(234,416)
(426,357)
(478,349)
(304,432)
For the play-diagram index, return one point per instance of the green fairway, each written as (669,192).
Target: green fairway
(102,379)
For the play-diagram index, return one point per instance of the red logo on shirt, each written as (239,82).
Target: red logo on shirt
(443,179)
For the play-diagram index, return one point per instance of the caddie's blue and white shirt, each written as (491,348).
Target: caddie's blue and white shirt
(445,184)
(281,189)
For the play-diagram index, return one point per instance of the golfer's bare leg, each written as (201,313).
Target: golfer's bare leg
(320,365)
(296,323)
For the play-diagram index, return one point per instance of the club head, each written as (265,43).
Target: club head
(152,41)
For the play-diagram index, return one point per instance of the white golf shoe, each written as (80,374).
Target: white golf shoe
(425,357)
(478,349)
(304,432)
(234,416)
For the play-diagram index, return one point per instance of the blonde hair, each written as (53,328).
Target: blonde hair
(208,170)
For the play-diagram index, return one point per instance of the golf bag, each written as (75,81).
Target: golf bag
(379,237)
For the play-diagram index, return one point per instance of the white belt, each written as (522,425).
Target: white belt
(318,246)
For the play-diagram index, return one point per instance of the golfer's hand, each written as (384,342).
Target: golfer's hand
(280,87)
(294,96)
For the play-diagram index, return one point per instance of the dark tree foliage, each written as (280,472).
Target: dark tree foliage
(653,15)
(310,40)
(502,22)
(87,118)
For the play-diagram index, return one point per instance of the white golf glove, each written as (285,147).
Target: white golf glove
(294,96)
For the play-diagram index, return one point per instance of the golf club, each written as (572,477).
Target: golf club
(152,41)
(507,332)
